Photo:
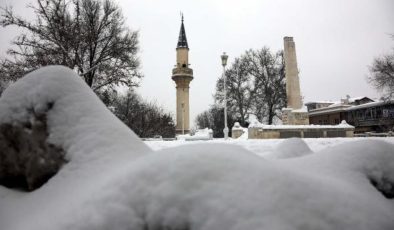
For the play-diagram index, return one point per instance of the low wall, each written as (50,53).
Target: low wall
(235,133)
(272,132)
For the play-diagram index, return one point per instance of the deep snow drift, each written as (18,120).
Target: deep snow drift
(114,181)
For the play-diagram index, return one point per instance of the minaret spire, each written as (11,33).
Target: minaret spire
(182,41)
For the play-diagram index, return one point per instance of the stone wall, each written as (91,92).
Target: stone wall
(301,132)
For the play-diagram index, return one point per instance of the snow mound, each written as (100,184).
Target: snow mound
(292,147)
(372,159)
(201,134)
(113,181)
(95,142)
(77,120)
(215,186)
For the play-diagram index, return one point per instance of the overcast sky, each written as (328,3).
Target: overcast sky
(335,40)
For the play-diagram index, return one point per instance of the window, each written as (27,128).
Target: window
(373,113)
(379,112)
(367,114)
(360,115)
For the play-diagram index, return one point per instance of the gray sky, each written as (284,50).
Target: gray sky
(336,40)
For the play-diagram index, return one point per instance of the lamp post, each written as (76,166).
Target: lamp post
(183,118)
(224,63)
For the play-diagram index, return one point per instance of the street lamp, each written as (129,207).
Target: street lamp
(224,63)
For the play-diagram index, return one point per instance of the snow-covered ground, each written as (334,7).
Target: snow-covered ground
(267,148)
(113,180)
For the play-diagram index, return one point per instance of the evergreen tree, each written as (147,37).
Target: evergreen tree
(213,118)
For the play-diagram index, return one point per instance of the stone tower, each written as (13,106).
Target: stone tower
(182,75)
(294,114)
(292,81)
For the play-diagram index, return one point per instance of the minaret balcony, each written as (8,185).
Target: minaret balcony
(182,71)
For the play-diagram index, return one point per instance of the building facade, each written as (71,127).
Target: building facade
(363,113)
(372,117)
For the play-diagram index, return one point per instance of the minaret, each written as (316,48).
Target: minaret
(182,75)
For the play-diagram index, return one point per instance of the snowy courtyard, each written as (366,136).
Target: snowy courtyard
(110,179)
(269,148)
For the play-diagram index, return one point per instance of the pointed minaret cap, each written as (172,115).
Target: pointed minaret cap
(182,41)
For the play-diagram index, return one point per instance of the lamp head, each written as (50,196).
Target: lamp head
(224,59)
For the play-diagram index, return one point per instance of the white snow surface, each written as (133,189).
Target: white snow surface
(114,181)
(292,147)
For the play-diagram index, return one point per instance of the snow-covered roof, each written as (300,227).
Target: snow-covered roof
(370,104)
(303,109)
(343,107)
(336,103)
(330,109)
(320,102)
(353,99)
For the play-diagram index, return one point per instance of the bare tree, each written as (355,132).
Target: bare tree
(88,36)
(270,89)
(144,118)
(240,88)
(382,75)
(255,85)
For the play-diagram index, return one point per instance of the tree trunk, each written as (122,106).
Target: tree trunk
(270,114)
